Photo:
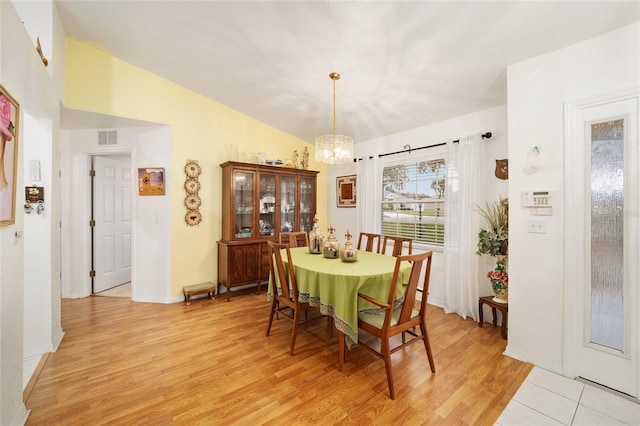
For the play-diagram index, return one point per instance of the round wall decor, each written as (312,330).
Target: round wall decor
(192,201)
(192,169)
(193,217)
(192,186)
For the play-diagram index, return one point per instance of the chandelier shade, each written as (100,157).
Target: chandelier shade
(334,149)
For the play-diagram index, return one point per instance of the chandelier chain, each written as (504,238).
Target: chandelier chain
(334,76)
(333,148)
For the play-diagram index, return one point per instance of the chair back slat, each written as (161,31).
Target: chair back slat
(295,239)
(398,244)
(369,239)
(417,261)
(286,277)
(412,285)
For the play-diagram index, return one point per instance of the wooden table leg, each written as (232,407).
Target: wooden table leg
(481,313)
(341,351)
(495,316)
(503,329)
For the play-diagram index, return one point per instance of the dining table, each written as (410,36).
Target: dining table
(333,286)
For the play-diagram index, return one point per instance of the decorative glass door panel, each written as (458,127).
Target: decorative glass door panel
(607,234)
(267,205)
(244,196)
(602,238)
(287,203)
(307,203)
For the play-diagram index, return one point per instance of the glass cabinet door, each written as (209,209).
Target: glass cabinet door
(244,196)
(267,205)
(307,203)
(287,203)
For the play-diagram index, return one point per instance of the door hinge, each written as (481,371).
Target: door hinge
(92,274)
(92,223)
(92,173)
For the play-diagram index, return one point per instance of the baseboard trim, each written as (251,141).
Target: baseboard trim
(34,378)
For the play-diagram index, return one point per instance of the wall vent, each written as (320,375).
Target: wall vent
(108,137)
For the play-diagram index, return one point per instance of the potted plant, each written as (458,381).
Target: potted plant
(494,241)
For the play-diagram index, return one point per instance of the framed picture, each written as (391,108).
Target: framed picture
(9,132)
(346,191)
(151,181)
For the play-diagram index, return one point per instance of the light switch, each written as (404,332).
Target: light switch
(536,227)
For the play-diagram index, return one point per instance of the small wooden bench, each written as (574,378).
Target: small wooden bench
(191,290)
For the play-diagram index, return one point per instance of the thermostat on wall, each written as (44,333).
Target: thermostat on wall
(538,201)
(34,170)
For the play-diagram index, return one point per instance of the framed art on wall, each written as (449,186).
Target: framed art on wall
(9,131)
(346,191)
(151,181)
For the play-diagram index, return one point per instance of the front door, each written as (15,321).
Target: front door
(112,216)
(603,237)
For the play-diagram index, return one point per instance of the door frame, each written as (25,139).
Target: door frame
(123,158)
(85,186)
(574,270)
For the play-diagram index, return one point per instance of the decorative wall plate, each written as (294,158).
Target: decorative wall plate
(193,218)
(192,186)
(192,201)
(192,169)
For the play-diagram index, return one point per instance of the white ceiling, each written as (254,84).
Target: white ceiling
(404,64)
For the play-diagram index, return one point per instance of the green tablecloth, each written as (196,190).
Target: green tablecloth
(333,285)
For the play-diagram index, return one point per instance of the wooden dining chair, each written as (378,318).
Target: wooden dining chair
(295,239)
(401,320)
(369,240)
(398,244)
(285,298)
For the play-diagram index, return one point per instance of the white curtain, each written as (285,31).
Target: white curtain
(464,192)
(369,195)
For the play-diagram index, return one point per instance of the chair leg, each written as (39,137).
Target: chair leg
(387,363)
(294,333)
(427,345)
(342,354)
(330,325)
(274,305)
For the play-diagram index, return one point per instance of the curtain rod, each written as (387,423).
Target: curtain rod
(484,136)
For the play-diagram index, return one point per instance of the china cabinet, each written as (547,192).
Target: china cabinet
(258,202)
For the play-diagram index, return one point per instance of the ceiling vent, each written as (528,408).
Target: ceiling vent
(108,137)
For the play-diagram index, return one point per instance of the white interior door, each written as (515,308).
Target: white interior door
(112,215)
(602,242)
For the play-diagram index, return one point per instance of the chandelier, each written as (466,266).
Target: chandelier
(334,149)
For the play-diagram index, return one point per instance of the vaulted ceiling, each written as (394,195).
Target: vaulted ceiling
(404,64)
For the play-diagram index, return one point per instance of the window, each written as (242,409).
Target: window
(413,199)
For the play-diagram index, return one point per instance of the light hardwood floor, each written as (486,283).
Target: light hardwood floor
(127,363)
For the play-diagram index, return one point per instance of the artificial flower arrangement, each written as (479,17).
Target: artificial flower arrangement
(499,280)
(494,241)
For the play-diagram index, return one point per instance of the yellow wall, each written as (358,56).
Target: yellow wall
(201,129)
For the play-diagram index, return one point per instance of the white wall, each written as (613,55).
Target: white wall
(538,89)
(492,120)
(37,240)
(37,90)
(151,236)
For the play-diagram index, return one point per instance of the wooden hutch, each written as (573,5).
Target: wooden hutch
(258,202)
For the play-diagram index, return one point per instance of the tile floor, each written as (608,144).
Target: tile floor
(547,398)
